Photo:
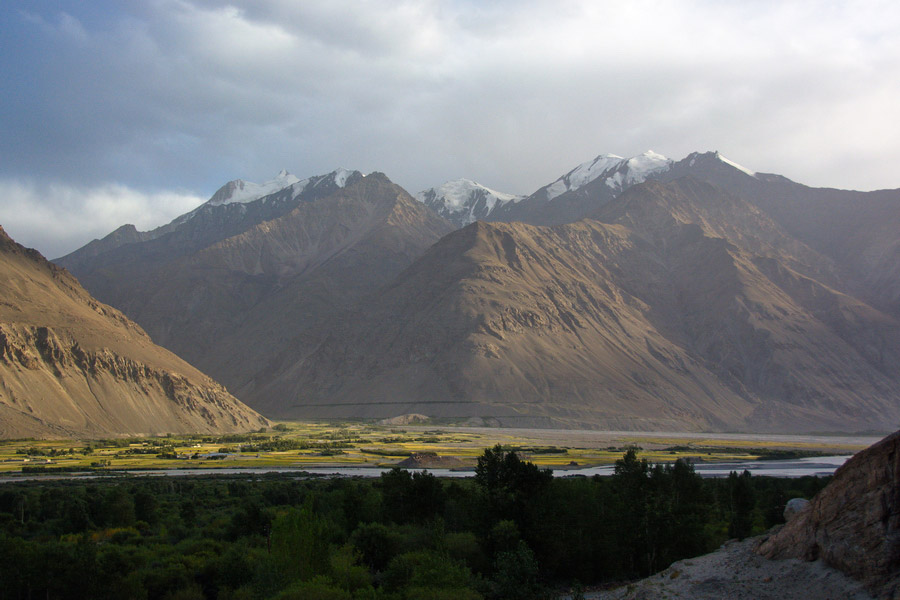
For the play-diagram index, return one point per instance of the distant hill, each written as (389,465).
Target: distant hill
(71,366)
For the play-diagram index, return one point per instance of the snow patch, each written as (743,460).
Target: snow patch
(340,177)
(583,174)
(615,181)
(589,171)
(246,191)
(557,188)
(644,165)
(735,165)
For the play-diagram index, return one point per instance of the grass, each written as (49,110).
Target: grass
(368,445)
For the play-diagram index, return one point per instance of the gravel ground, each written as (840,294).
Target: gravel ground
(736,572)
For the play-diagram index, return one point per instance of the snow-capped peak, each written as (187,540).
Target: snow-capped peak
(589,171)
(637,169)
(464,201)
(617,171)
(338,178)
(642,166)
(456,194)
(247,191)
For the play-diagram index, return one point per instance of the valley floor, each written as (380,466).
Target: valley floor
(297,445)
(589,438)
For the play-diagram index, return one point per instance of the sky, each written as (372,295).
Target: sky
(118,112)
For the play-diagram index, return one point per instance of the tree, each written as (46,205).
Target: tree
(688,512)
(516,575)
(376,544)
(300,544)
(631,481)
(145,507)
(509,484)
(423,573)
(411,497)
(395,491)
(118,508)
(629,470)
(742,502)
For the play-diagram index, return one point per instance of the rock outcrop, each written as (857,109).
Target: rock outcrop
(854,523)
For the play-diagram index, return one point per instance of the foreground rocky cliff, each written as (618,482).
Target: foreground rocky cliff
(71,366)
(843,544)
(853,525)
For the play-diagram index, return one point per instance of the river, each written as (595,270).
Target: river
(819,466)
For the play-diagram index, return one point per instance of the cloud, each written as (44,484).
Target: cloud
(58,219)
(186,94)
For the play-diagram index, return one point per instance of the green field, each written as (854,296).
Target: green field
(298,445)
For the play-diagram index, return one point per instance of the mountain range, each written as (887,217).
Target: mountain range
(630,293)
(71,366)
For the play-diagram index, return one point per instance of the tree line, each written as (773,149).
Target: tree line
(513,531)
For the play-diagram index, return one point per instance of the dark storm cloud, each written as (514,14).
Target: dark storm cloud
(165,100)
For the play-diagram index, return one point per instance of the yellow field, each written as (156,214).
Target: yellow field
(298,445)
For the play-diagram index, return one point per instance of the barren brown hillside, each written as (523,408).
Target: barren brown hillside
(72,366)
(688,309)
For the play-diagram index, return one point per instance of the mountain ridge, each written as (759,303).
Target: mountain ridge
(208,293)
(691,299)
(658,319)
(71,366)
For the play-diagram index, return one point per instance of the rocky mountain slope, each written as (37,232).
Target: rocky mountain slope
(232,287)
(855,230)
(688,294)
(235,207)
(858,231)
(678,307)
(71,366)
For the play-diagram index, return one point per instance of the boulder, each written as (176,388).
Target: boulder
(793,507)
(853,524)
